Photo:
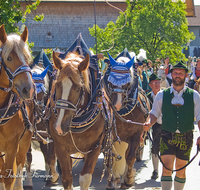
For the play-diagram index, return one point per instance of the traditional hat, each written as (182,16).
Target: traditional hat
(180,65)
(153,77)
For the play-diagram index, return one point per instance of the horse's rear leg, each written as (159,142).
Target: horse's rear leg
(28,183)
(85,177)
(50,163)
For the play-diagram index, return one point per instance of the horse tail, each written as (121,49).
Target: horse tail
(76,158)
(119,166)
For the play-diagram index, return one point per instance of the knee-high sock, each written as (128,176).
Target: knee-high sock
(155,161)
(179,183)
(166,182)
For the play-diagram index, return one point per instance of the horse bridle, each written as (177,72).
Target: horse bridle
(12,75)
(67,105)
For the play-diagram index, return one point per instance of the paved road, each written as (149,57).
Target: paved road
(143,175)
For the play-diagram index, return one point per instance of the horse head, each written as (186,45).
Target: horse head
(15,57)
(71,88)
(120,80)
(42,81)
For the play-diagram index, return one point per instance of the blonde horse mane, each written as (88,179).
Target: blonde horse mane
(70,69)
(14,42)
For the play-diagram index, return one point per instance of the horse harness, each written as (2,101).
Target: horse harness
(14,104)
(135,96)
(83,119)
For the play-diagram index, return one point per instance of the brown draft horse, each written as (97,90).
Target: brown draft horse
(15,86)
(73,94)
(42,82)
(129,103)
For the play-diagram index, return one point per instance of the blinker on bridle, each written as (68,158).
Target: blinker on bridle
(67,105)
(11,76)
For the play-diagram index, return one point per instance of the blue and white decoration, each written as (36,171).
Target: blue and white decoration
(120,79)
(40,77)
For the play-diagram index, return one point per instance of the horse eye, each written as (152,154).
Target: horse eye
(9,58)
(78,90)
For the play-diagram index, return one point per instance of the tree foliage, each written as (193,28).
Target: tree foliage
(159,27)
(11,14)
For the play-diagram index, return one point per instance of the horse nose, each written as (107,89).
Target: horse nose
(26,91)
(58,129)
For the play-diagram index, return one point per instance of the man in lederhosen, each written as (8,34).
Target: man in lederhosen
(154,83)
(178,105)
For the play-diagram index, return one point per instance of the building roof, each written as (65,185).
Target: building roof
(195,21)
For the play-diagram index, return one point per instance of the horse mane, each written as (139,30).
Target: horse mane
(14,42)
(70,69)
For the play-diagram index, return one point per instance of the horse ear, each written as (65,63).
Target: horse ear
(57,61)
(24,35)
(3,35)
(84,64)
(43,74)
(130,63)
(112,61)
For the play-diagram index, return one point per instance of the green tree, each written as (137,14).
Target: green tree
(159,27)
(11,14)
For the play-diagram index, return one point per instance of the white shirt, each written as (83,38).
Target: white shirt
(157,104)
(159,120)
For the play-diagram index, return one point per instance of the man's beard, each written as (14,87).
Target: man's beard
(178,83)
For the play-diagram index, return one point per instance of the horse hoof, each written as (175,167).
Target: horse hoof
(123,186)
(129,185)
(50,183)
(28,187)
(110,186)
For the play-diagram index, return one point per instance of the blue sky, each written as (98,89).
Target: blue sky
(196,2)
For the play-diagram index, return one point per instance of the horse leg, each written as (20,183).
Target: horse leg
(50,163)
(66,166)
(9,169)
(2,185)
(119,166)
(129,177)
(85,177)
(28,183)
(24,145)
